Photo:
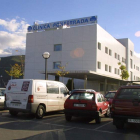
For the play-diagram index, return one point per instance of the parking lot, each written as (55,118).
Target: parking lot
(54,127)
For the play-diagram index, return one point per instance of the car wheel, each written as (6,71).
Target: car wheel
(40,112)
(13,113)
(98,120)
(68,118)
(107,114)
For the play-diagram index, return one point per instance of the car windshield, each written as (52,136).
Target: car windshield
(110,95)
(129,94)
(82,96)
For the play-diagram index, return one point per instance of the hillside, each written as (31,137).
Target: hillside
(6,63)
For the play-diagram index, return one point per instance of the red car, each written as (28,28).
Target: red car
(86,103)
(109,96)
(126,106)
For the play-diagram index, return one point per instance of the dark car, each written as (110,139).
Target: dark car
(86,103)
(126,106)
(109,96)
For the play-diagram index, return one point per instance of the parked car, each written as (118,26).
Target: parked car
(126,106)
(2,98)
(86,103)
(35,96)
(109,96)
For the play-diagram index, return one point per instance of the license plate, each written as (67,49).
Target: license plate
(15,104)
(134,120)
(79,105)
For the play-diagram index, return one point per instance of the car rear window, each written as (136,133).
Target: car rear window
(129,94)
(2,92)
(82,96)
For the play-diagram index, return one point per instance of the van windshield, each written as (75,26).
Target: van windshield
(81,96)
(129,94)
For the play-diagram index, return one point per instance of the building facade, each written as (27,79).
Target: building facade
(89,53)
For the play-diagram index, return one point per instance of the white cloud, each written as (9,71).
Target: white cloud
(137,34)
(137,54)
(12,36)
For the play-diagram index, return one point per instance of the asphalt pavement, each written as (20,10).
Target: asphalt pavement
(54,127)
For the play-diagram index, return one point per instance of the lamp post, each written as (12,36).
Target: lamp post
(46,55)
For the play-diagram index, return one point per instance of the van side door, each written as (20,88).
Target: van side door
(52,96)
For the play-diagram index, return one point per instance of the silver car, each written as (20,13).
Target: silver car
(2,98)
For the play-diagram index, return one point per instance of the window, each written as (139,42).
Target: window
(106,67)
(82,96)
(58,47)
(110,52)
(115,70)
(106,50)
(134,66)
(116,55)
(131,63)
(99,99)
(109,68)
(52,88)
(63,90)
(118,72)
(131,53)
(131,75)
(99,65)
(123,59)
(134,77)
(56,65)
(99,45)
(2,92)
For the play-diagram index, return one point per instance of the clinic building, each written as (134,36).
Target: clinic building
(90,54)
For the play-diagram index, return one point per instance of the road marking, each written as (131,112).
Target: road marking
(103,125)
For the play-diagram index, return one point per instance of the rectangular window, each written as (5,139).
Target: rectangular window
(99,65)
(106,50)
(118,72)
(106,67)
(134,66)
(110,52)
(131,53)
(109,68)
(99,45)
(131,65)
(52,88)
(134,77)
(116,55)
(58,47)
(123,59)
(56,65)
(115,71)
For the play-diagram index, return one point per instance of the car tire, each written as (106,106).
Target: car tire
(68,117)
(107,114)
(40,112)
(13,113)
(98,120)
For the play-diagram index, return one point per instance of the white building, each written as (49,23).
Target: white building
(89,52)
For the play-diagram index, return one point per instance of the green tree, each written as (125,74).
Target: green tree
(124,73)
(62,72)
(69,84)
(15,71)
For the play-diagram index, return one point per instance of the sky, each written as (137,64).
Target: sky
(120,18)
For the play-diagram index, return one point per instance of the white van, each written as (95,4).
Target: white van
(35,96)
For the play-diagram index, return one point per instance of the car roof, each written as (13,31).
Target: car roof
(83,90)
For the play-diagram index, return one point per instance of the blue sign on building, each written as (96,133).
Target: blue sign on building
(59,24)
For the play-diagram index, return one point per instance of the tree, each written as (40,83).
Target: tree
(69,84)
(15,71)
(124,73)
(62,72)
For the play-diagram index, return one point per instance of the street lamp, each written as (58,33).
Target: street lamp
(46,55)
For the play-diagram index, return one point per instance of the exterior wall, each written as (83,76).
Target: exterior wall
(78,50)
(112,44)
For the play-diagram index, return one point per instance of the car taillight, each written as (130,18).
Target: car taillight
(30,99)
